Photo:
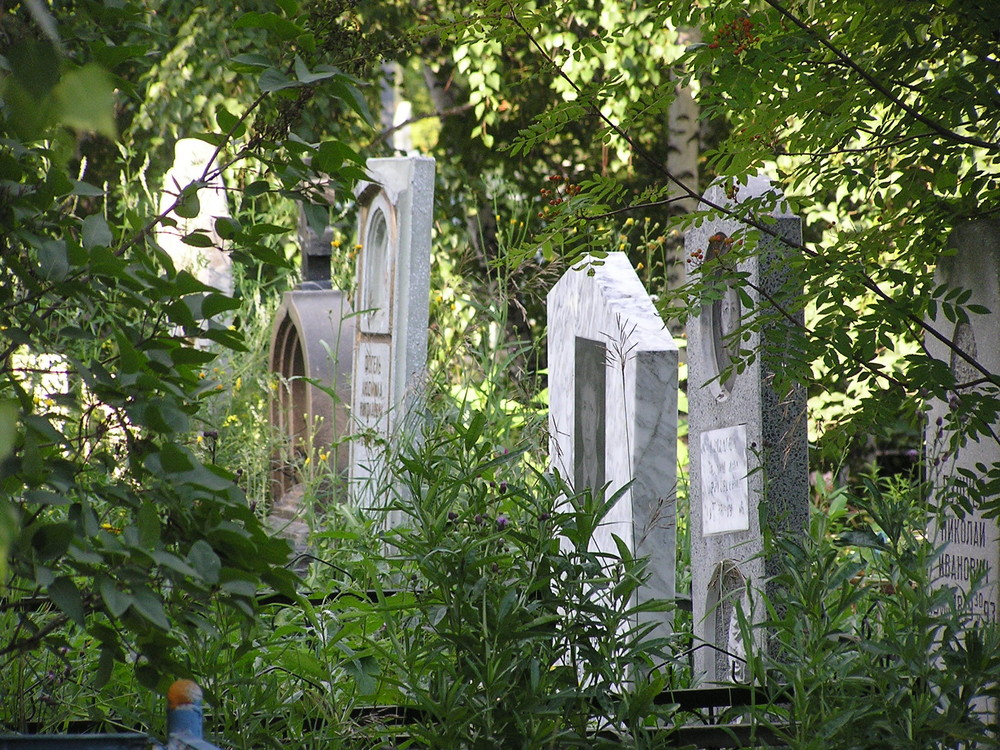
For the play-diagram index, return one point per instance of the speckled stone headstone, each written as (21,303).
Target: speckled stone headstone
(748,443)
(971,540)
(613,410)
(392,307)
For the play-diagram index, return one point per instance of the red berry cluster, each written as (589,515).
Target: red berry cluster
(737,34)
(554,197)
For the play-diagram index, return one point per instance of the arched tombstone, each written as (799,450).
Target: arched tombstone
(211,265)
(613,412)
(748,442)
(312,339)
(395,217)
(312,349)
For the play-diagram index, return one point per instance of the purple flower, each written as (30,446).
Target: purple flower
(479,519)
(503,488)
(452,515)
(544,517)
(502,523)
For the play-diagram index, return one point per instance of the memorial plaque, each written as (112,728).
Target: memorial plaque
(374,383)
(725,495)
(591,422)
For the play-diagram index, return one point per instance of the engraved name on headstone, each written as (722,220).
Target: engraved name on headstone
(725,497)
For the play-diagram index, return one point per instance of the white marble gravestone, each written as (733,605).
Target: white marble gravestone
(613,409)
(971,540)
(210,265)
(748,444)
(392,306)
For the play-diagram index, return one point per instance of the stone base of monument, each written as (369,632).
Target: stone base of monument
(287,519)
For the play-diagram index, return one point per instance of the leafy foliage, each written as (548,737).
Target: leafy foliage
(123,529)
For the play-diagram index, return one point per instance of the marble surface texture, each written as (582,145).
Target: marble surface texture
(607,303)
(404,189)
(971,541)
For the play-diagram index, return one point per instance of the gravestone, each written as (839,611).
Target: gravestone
(395,215)
(613,410)
(971,540)
(747,442)
(312,339)
(210,265)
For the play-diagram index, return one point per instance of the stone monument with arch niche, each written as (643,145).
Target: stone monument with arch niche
(748,442)
(395,215)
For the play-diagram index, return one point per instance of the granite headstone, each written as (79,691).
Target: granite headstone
(748,441)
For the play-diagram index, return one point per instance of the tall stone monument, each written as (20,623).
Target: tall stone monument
(613,410)
(211,265)
(972,541)
(395,215)
(748,442)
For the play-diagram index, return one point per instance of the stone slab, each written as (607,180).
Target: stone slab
(391,305)
(972,542)
(754,460)
(613,410)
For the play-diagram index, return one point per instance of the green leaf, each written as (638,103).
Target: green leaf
(86,98)
(52,260)
(147,604)
(230,123)
(188,206)
(115,600)
(105,665)
(66,596)
(8,427)
(172,561)
(52,541)
(198,239)
(148,523)
(96,232)
(305,76)
(203,559)
(284,28)
(273,80)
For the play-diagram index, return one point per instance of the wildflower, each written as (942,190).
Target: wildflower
(239,383)
(324,456)
(479,519)
(502,523)
(452,515)
(335,243)
(503,488)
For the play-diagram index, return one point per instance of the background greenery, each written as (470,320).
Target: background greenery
(134,466)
